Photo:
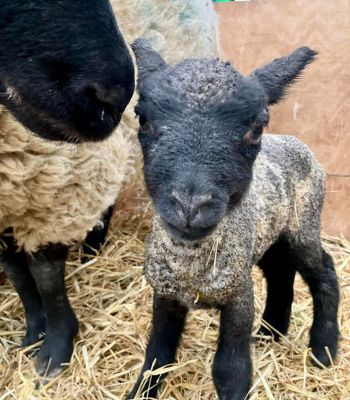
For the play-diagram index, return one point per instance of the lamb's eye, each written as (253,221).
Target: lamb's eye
(146,126)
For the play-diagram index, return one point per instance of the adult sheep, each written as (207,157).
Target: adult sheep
(65,70)
(53,193)
(66,74)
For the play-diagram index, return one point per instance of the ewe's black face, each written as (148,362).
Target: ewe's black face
(200,130)
(65,70)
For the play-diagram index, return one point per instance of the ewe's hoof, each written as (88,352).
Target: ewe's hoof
(53,353)
(32,336)
(35,330)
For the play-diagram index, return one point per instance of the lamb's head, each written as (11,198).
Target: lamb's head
(201,123)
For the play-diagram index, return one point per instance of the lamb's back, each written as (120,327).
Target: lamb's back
(288,189)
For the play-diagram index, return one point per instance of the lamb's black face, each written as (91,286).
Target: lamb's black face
(199,151)
(200,130)
(65,70)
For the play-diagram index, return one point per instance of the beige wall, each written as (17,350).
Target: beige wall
(318,108)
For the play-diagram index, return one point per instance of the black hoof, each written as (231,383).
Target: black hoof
(325,338)
(35,332)
(53,353)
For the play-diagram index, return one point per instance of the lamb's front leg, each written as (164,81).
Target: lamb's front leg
(232,368)
(168,322)
(47,268)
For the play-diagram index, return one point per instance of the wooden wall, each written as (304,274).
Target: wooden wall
(317,109)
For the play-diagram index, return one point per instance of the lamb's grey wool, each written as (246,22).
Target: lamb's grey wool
(284,197)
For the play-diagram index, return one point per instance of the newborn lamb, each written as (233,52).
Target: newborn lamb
(227,197)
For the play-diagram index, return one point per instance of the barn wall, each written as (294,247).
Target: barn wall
(318,108)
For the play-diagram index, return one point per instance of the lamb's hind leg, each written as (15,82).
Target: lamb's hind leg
(16,268)
(279,272)
(47,267)
(317,269)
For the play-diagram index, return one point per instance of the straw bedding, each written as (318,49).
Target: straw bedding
(113,303)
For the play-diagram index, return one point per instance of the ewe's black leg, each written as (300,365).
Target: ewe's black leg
(96,238)
(16,269)
(47,267)
(168,322)
(279,272)
(232,368)
(317,269)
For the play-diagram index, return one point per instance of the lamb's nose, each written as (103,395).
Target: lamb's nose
(190,208)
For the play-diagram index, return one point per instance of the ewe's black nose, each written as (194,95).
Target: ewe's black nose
(114,99)
(191,208)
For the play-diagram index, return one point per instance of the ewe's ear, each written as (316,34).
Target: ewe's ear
(147,59)
(282,72)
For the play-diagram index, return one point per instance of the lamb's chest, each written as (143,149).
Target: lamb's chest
(201,274)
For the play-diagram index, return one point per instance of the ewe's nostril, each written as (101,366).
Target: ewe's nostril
(115,98)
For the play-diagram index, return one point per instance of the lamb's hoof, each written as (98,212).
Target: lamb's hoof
(324,357)
(53,354)
(324,344)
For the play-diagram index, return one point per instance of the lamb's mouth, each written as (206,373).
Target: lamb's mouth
(188,234)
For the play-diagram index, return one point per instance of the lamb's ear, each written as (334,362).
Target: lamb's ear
(147,59)
(282,72)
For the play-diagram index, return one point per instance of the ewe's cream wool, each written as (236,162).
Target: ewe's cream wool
(56,192)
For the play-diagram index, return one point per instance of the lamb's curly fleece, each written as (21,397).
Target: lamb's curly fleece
(285,197)
(53,192)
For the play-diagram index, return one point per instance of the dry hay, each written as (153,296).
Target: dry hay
(113,303)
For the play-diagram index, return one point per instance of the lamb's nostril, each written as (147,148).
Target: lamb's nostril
(189,208)
(182,206)
(198,203)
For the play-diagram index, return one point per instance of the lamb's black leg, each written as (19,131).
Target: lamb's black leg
(168,322)
(16,269)
(96,238)
(232,368)
(317,269)
(279,272)
(47,267)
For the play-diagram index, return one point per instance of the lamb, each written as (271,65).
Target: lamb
(227,197)
(63,84)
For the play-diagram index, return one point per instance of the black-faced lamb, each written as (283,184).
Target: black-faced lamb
(227,197)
